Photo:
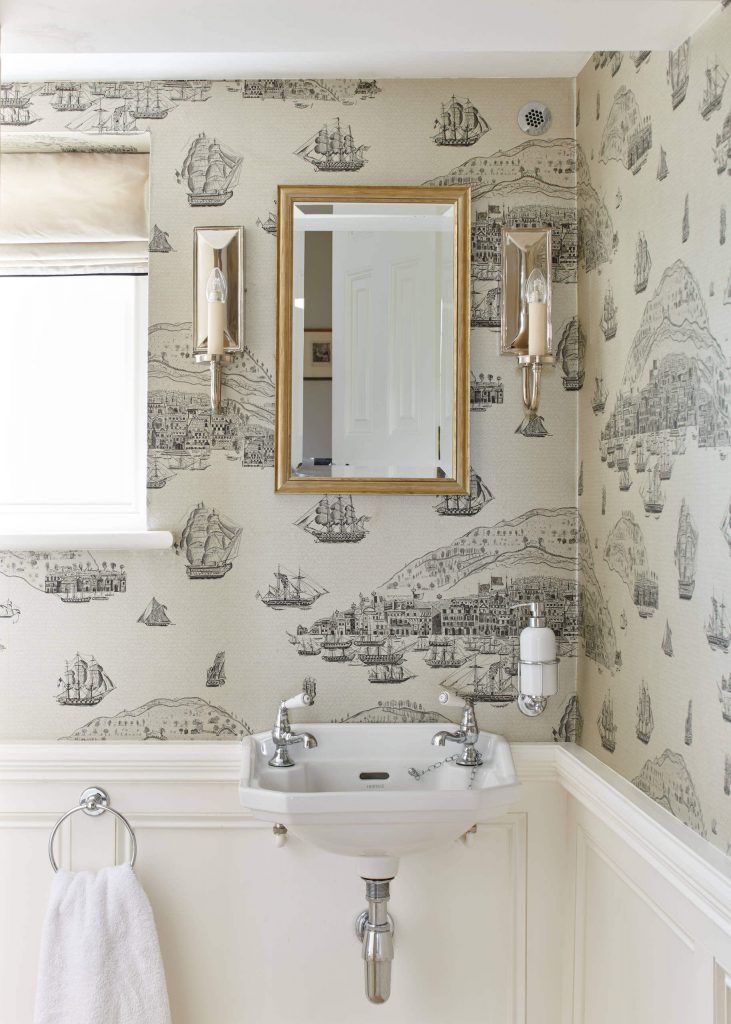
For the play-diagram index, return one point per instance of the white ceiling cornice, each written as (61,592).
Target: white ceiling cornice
(86,39)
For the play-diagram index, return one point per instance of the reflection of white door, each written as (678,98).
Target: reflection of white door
(385,353)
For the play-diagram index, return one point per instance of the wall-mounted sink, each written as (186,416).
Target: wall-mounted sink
(376,792)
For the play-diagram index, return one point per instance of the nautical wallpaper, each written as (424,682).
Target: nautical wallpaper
(611,505)
(380,601)
(655,420)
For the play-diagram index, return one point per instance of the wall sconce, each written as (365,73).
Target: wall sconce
(218,300)
(537,662)
(525,327)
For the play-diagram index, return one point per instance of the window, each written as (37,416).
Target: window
(73,331)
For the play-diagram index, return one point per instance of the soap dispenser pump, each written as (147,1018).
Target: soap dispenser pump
(538,661)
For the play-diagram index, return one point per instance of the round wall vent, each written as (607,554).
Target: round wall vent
(534,118)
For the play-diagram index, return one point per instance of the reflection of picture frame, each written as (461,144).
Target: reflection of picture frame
(318,355)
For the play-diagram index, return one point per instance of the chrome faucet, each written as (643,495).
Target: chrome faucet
(468,733)
(282,735)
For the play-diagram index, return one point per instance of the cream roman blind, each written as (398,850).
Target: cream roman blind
(73,213)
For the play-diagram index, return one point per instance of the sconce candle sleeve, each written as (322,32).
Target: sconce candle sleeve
(216,296)
(537,328)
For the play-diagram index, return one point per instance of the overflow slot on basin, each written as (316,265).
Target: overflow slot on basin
(374,776)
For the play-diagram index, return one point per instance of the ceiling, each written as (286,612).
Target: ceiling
(86,39)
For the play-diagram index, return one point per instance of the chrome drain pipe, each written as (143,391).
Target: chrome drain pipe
(374,927)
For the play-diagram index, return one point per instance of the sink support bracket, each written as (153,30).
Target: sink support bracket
(374,929)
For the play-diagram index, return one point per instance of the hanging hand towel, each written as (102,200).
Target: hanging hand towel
(100,959)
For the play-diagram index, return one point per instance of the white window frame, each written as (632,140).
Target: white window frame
(26,527)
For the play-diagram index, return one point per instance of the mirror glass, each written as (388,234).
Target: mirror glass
(373,340)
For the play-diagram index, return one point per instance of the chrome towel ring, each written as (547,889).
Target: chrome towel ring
(93,801)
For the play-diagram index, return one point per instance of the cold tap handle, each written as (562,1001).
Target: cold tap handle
(302,700)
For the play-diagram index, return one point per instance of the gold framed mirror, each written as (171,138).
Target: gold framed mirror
(373,352)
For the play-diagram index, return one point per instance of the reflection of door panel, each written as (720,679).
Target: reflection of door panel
(385,350)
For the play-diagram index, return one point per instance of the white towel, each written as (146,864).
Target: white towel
(100,958)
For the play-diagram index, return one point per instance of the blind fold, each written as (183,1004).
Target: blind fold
(73,213)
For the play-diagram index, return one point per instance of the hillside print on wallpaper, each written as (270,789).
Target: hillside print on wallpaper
(655,438)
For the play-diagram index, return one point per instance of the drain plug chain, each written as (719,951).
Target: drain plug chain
(416,774)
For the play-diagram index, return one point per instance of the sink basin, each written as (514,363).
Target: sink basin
(355,794)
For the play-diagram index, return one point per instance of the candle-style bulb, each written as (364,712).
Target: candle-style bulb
(216,289)
(535,286)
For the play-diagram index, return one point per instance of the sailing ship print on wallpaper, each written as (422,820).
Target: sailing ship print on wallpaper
(209,542)
(465,504)
(84,682)
(15,106)
(678,72)
(9,611)
(160,240)
(608,322)
(713,89)
(571,724)
(155,614)
(724,697)
(216,674)
(333,520)
(667,641)
(606,725)
(333,148)
(599,396)
(645,721)
(570,353)
(627,135)
(290,590)
(161,719)
(718,631)
(459,123)
(209,171)
(686,552)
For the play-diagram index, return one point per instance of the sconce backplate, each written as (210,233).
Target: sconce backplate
(221,247)
(523,249)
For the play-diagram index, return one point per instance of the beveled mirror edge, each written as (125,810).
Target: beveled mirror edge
(284,481)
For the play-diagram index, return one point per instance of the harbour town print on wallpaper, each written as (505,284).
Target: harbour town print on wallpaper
(386,600)
(655,434)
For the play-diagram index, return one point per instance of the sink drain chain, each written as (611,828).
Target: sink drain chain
(416,774)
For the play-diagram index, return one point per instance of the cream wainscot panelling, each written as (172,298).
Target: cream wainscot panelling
(654,131)
(198,655)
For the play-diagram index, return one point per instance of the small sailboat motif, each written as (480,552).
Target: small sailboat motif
(623,620)
(598,105)
(307,647)
(216,674)
(209,171)
(9,611)
(604,501)
(689,724)
(678,72)
(443,653)
(492,686)
(291,590)
(667,641)
(662,165)
(640,457)
(389,674)
(653,495)
(717,627)
(333,148)
(599,397)
(716,78)
(182,461)
(724,696)
(622,458)
(580,486)
(645,721)
(485,309)
(374,650)
(100,121)
(459,124)
(156,614)
(210,543)
(333,520)
(84,683)
(665,462)
(686,552)
(625,481)
(643,263)
(160,240)
(270,224)
(148,104)
(69,97)
(465,504)
(337,649)
(618,198)
(686,219)
(156,478)
(605,724)
(639,57)
(608,322)
(15,106)
(722,226)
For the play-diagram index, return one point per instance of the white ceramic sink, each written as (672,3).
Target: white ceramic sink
(354,794)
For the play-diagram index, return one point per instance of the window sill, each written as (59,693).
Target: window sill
(142,540)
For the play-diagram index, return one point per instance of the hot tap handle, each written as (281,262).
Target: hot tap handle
(302,700)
